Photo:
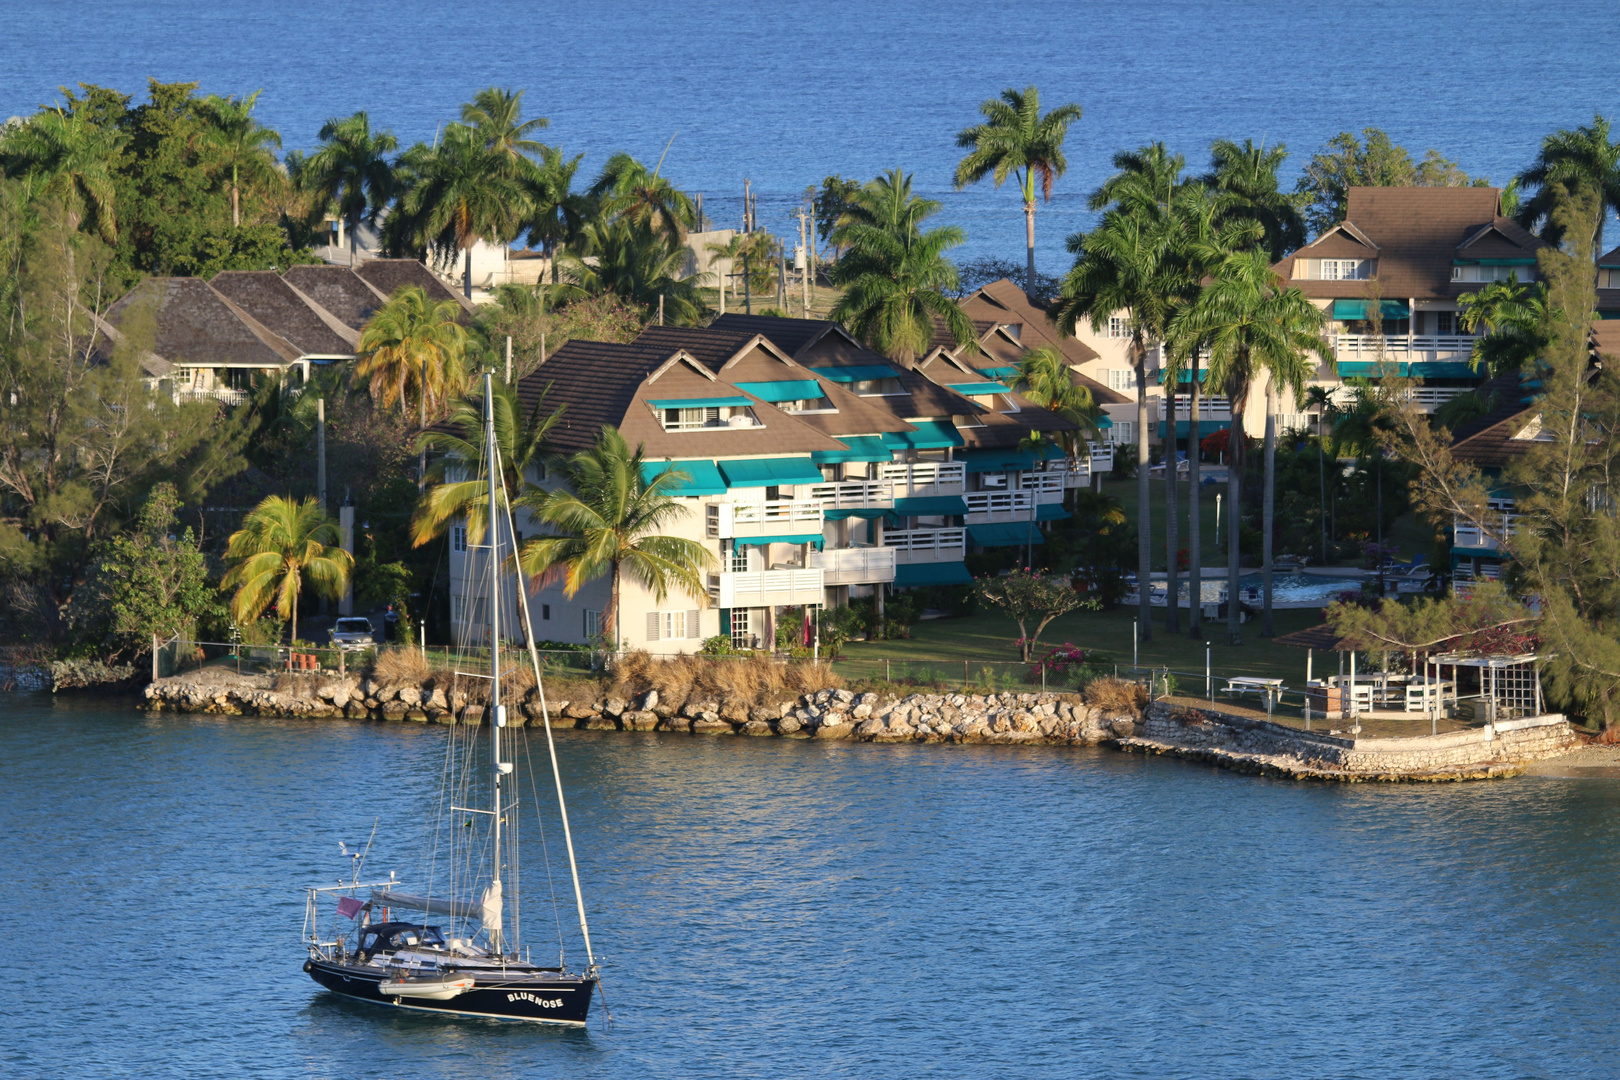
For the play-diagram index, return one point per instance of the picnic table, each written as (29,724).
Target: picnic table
(1270,689)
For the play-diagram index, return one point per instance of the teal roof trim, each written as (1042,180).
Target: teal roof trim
(700,402)
(866,512)
(912,575)
(998,372)
(1005,534)
(1206,428)
(769,472)
(785,538)
(979,388)
(1493,262)
(1420,369)
(930,435)
(857,373)
(703,477)
(785,390)
(859,448)
(1354,310)
(1051,512)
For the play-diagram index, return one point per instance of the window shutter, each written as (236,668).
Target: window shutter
(691,624)
(652,626)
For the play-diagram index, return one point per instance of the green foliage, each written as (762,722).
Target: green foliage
(1032,598)
(1579,164)
(718,645)
(636,262)
(1372,161)
(832,203)
(281,543)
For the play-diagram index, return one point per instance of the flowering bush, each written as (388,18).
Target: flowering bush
(1057,661)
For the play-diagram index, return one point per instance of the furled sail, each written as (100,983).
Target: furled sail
(488,908)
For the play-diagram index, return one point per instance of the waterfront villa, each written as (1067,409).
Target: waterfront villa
(816,471)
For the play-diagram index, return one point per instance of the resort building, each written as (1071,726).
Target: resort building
(814,470)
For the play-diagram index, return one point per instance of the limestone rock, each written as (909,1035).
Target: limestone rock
(436,700)
(833,731)
(756,727)
(844,696)
(866,729)
(710,724)
(862,711)
(789,724)
(395,710)
(734,709)
(601,723)
(615,706)
(639,720)
(355,710)
(1124,727)
(649,700)
(410,695)
(675,723)
(765,713)
(417,715)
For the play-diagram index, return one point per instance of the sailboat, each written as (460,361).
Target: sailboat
(382,944)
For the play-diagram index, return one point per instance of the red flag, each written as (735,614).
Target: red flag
(349,907)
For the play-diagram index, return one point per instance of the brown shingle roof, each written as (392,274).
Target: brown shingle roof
(789,335)
(280,307)
(197,326)
(595,380)
(388,276)
(1418,232)
(1487,441)
(1004,302)
(339,290)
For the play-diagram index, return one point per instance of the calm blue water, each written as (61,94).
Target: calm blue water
(785,93)
(774,908)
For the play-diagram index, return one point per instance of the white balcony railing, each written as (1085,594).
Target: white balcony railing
(1430,398)
(1000,502)
(222,394)
(853,494)
(1102,457)
(1501,522)
(854,565)
(924,477)
(1209,408)
(1047,486)
(767,588)
(1404,347)
(727,520)
(926,545)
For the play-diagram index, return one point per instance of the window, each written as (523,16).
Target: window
(741,636)
(1119,326)
(737,559)
(1445,323)
(669,625)
(1123,433)
(593,624)
(820,404)
(876,387)
(708,416)
(458,537)
(1343,269)
(545,612)
(1122,379)
(1493,273)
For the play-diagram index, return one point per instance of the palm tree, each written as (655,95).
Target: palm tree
(626,189)
(1255,328)
(281,543)
(631,260)
(412,339)
(1016,140)
(1510,318)
(1147,177)
(1045,377)
(240,144)
(462,192)
(497,116)
(1573,161)
(77,159)
(608,518)
(556,212)
(897,283)
(1247,176)
(1320,398)
(350,171)
(521,438)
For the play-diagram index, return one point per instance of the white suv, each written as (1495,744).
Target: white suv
(353,633)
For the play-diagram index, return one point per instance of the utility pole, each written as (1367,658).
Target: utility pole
(508,359)
(542,347)
(748,296)
(748,206)
(781,282)
(660,309)
(320,452)
(804,257)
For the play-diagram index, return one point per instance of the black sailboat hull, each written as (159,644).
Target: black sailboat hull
(559,999)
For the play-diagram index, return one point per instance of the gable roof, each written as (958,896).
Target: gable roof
(1415,233)
(1004,302)
(197,326)
(792,336)
(388,276)
(345,295)
(284,310)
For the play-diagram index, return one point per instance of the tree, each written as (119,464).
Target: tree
(609,519)
(627,189)
(1573,164)
(831,204)
(350,172)
(496,116)
(240,144)
(1347,162)
(637,263)
(282,543)
(413,339)
(1017,141)
(1028,597)
(1510,318)
(1254,328)
(1044,376)
(556,212)
(897,282)
(1247,176)
(522,440)
(77,160)
(461,191)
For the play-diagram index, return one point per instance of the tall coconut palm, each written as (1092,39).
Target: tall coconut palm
(522,438)
(497,116)
(633,261)
(1510,318)
(626,188)
(462,192)
(1584,160)
(75,158)
(282,545)
(897,283)
(1147,177)
(1254,328)
(240,144)
(1320,399)
(556,212)
(1247,176)
(350,171)
(413,342)
(1016,140)
(608,519)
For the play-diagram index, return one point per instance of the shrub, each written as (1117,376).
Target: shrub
(406,667)
(1115,695)
(719,645)
(749,680)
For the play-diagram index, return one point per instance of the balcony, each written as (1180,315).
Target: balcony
(926,545)
(1213,409)
(854,494)
(1046,486)
(1404,348)
(854,565)
(1102,457)
(1501,522)
(985,507)
(768,588)
(222,394)
(1430,398)
(924,478)
(776,518)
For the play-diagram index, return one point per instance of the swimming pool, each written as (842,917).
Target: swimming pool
(1287,590)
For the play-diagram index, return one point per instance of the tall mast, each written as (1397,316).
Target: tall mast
(497,718)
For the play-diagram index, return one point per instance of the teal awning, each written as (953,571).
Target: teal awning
(1355,310)
(1005,534)
(857,373)
(1104,421)
(911,575)
(1493,262)
(929,506)
(785,538)
(769,472)
(860,448)
(994,461)
(979,388)
(700,402)
(1421,369)
(704,478)
(866,512)
(1205,428)
(786,390)
(998,372)
(1184,375)
(930,435)
(1051,512)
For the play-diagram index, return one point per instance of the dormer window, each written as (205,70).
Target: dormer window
(1344,269)
(700,414)
(1502,270)
(876,387)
